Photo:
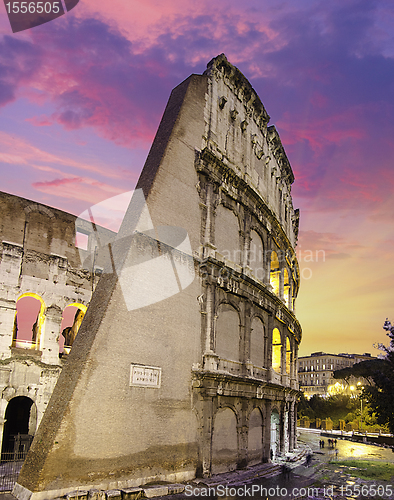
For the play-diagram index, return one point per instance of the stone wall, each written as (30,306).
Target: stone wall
(38,260)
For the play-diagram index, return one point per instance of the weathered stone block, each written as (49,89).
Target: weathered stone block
(131,493)
(155,491)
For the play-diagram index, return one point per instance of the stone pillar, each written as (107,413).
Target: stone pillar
(50,336)
(292,426)
(267,266)
(282,430)
(248,326)
(281,282)
(268,348)
(7,318)
(295,425)
(206,436)
(242,431)
(267,432)
(210,357)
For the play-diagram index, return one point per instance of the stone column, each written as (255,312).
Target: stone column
(242,431)
(281,282)
(267,432)
(267,265)
(50,336)
(247,335)
(206,437)
(292,427)
(210,357)
(7,318)
(268,348)
(282,430)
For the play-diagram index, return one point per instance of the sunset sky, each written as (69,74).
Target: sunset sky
(81,98)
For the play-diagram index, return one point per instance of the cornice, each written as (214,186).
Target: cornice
(279,153)
(220,68)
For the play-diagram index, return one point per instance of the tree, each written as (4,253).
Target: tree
(380,374)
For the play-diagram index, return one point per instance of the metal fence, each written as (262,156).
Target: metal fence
(11,461)
(10,466)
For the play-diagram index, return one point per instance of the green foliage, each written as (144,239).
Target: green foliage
(380,373)
(336,407)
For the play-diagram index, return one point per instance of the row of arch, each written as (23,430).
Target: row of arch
(226,438)
(30,320)
(271,266)
(265,349)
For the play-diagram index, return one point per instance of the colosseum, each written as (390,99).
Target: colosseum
(44,293)
(200,380)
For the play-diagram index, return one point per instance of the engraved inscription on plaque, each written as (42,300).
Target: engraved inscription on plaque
(145,376)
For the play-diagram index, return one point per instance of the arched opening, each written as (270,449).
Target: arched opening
(72,318)
(286,288)
(255,437)
(227,234)
(256,256)
(276,350)
(29,318)
(288,356)
(227,332)
(274,272)
(19,427)
(224,441)
(275,434)
(257,354)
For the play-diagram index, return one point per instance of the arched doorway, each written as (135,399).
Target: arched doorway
(275,434)
(224,441)
(255,438)
(19,427)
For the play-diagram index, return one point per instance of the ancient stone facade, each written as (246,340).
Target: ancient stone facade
(203,380)
(40,274)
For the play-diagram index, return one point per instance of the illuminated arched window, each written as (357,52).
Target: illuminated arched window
(72,318)
(29,318)
(288,356)
(275,272)
(276,350)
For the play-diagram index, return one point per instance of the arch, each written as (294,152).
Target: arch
(227,332)
(288,356)
(20,425)
(257,342)
(276,350)
(28,322)
(255,437)
(275,434)
(256,256)
(227,234)
(72,317)
(224,441)
(275,272)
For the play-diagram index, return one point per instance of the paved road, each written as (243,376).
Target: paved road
(346,449)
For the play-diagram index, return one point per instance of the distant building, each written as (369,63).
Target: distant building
(315,373)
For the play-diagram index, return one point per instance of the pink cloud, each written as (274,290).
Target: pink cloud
(79,188)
